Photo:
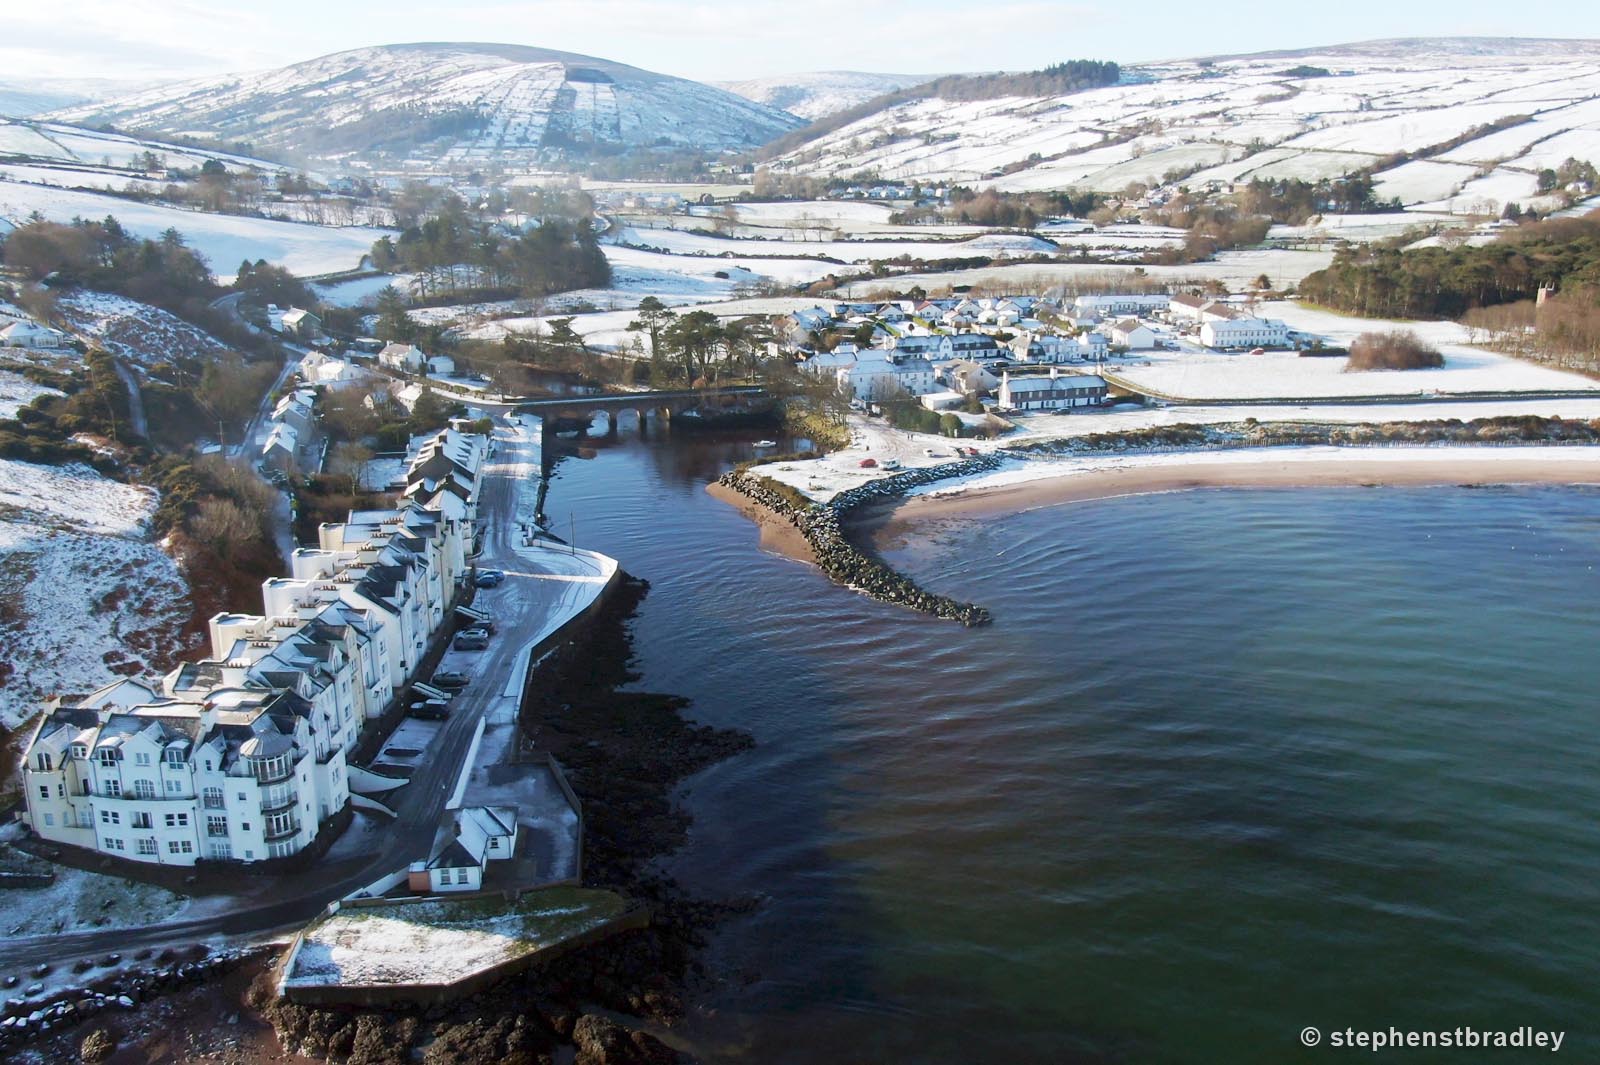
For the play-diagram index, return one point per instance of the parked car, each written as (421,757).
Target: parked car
(490,578)
(449,678)
(470,641)
(869,464)
(891,464)
(487,626)
(430,710)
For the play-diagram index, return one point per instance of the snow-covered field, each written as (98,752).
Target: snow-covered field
(85,597)
(1236,269)
(81,901)
(1286,375)
(1241,117)
(225,240)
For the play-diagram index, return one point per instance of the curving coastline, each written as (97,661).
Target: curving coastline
(842,535)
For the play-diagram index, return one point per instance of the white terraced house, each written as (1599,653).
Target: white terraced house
(241,756)
(1051,393)
(1243,332)
(243,776)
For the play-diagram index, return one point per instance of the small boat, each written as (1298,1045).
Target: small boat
(765,443)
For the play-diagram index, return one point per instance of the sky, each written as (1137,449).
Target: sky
(711,40)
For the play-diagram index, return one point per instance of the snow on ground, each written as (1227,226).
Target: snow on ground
(379,475)
(225,240)
(609,329)
(84,596)
(1236,269)
(441,941)
(136,331)
(823,478)
(82,901)
(17,392)
(363,290)
(1288,376)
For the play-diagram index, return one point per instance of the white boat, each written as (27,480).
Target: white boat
(765,443)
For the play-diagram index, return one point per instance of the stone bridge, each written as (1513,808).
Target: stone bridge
(664,405)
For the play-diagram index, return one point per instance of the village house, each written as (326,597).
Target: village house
(301,323)
(875,380)
(1055,392)
(1117,305)
(481,834)
(979,346)
(403,358)
(281,451)
(1131,335)
(322,370)
(967,377)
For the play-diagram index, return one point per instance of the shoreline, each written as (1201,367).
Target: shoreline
(777,533)
(1128,475)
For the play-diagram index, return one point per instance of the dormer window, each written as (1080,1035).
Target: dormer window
(107,756)
(174,756)
(43,762)
(78,751)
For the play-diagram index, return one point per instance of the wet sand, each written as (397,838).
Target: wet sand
(889,521)
(777,535)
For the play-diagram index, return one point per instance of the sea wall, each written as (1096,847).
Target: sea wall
(820,524)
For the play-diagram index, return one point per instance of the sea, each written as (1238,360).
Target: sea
(1228,765)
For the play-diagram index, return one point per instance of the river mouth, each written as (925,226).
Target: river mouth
(1226,765)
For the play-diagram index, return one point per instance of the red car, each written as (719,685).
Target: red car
(869,464)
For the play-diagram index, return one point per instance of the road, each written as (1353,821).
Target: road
(543,589)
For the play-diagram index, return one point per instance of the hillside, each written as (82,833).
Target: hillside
(430,106)
(1422,113)
(814,96)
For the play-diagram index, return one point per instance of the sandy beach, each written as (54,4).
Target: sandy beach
(777,535)
(1075,481)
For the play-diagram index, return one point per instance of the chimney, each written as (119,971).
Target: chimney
(1055,371)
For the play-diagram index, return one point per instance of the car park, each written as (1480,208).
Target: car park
(449,678)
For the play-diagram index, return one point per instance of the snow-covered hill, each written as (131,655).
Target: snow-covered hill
(1271,115)
(814,96)
(440,105)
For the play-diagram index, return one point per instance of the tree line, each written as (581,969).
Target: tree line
(455,253)
(1387,281)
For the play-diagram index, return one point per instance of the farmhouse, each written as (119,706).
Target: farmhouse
(301,323)
(25,334)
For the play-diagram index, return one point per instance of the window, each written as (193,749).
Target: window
(61,791)
(44,791)
(220,851)
(174,755)
(174,787)
(146,845)
(114,789)
(246,827)
(142,819)
(49,820)
(141,758)
(115,845)
(110,817)
(180,846)
(216,826)
(43,762)
(144,789)
(106,756)
(213,798)
(78,751)
(177,820)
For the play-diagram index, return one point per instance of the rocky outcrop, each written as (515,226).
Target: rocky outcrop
(821,525)
(602,1041)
